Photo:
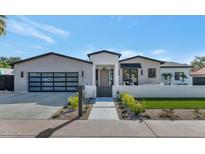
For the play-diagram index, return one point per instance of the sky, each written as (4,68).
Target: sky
(168,38)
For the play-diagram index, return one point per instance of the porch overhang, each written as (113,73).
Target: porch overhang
(130,65)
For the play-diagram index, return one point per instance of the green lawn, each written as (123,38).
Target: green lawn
(174,103)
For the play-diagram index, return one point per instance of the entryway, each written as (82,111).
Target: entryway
(104,82)
(104,91)
(104,109)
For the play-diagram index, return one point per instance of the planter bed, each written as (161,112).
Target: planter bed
(160,114)
(67,113)
(174,114)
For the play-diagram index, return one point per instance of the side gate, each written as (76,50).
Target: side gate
(7,82)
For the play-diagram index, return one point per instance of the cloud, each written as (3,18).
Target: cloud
(36,47)
(45,27)
(27,30)
(27,27)
(130,53)
(158,51)
(18,52)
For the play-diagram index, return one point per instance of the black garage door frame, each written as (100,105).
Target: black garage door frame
(53,81)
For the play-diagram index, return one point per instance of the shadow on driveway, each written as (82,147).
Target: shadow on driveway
(48,132)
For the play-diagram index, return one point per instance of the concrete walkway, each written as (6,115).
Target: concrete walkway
(101,128)
(104,109)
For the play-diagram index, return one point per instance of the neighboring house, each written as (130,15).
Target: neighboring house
(6,71)
(176,69)
(56,72)
(198,76)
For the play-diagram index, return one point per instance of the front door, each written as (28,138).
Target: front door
(104,89)
(104,77)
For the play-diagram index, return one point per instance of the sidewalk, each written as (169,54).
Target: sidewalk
(101,128)
(104,109)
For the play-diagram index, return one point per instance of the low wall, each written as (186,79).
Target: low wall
(157,91)
(90,91)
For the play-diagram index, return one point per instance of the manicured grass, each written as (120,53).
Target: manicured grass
(174,103)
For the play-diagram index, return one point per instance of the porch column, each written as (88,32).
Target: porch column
(93,75)
(116,74)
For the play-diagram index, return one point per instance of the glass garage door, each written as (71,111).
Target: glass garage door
(53,81)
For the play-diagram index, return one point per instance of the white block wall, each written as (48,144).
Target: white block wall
(90,91)
(157,91)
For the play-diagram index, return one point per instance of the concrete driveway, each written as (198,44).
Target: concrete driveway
(31,105)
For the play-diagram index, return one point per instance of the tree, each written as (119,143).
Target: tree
(2,25)
(198,62)
(13,59)
(183,77)
(6,62)
(167,76)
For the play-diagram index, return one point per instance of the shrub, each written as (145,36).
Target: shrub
(73,101)
(56,115)
(130,102)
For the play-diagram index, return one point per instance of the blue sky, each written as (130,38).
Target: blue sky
(171,38)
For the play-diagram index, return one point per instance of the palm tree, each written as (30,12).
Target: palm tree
(183,77)
(167,76)
(2,25)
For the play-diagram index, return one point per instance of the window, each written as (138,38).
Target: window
(130,76)
(141,72)
(111,77)
(96,77)
(22,74)
(151,72)
(178,75)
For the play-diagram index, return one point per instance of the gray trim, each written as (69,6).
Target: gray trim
(176,66)
(161,62)
(104,51)
(50,53)
(130,65)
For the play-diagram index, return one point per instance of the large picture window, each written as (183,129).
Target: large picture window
(177,75)
(130,76)
(151,72)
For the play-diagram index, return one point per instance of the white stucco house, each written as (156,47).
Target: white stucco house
(104,69)
(176,69)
